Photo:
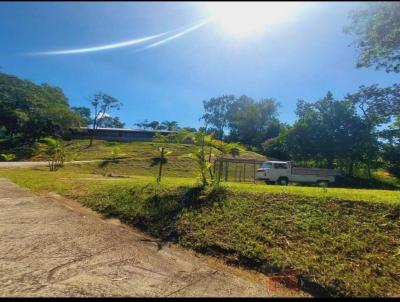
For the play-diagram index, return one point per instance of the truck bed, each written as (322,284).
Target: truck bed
(314,171)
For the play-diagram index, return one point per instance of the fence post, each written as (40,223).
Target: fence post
(254,171)
(236,174)
(220,168)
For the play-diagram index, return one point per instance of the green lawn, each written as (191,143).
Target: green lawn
(342,242)
(139,172)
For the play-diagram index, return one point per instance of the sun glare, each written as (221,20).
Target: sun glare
(244,18)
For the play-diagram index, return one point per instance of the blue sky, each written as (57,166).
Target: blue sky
(300,59)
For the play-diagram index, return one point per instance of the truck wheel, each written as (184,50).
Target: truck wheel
(283,181)
(322,183)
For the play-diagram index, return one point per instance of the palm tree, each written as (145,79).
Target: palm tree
(202,153)
(170,125)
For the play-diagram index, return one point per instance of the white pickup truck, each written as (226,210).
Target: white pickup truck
(282,172)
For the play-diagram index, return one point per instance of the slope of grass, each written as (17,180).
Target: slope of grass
(338,247)
(342,242)
(133,150)
(139,172)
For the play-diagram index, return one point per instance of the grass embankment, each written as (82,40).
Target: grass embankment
(344,242)
(135,158)
(344,248)
(78,177)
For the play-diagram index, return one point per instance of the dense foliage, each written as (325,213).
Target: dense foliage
(327,131)
(29,111)
(376,27)
(156,125)
(245,120)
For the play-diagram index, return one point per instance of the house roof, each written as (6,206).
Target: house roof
(130,130)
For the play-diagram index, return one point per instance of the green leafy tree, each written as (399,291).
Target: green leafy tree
(197,152)
(190,129)
(251,122)
(54,152)
(379,107)
(246,120)
(102,103)
(203,153)
(391,149)
(29,111)
(84,113)
(328,133)
(216,113)
(116,153)
(376,27)
(163,142)
(170,125)
(154,125)
(110,122)
(277,147)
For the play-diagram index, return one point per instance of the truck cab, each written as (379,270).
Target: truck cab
(271,171)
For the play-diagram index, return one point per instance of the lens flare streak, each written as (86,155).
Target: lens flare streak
(124,43)
(184,32)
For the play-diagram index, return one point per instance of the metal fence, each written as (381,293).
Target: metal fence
(240,170)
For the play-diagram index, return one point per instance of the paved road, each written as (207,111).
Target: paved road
(51,246)
(28,164)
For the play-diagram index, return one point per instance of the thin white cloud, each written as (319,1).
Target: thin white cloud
(179,34)
(122,44)
(98,48)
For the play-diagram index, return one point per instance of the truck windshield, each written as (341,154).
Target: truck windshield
(266,165)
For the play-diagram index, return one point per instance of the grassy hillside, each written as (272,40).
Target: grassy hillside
(134,150)
(341,242)
(338,246)
(135,158)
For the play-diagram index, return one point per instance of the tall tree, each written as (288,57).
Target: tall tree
(391,149)
(110,122)
(327,132)
(156,125)
(29,111)
(170,125)
(102,103)
(216,113)
(376,27)
(378,105)
(84,113)
(251,122)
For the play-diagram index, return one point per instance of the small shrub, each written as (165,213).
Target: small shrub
(7,157)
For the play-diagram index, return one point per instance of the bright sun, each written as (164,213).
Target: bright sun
(244,18)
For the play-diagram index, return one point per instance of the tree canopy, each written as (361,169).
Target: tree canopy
(245,120)
(329,133)
(30,111)
(156,125)
(376,27)
(110,122)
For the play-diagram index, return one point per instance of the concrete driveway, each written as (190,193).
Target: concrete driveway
(29,164)
(52,246)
